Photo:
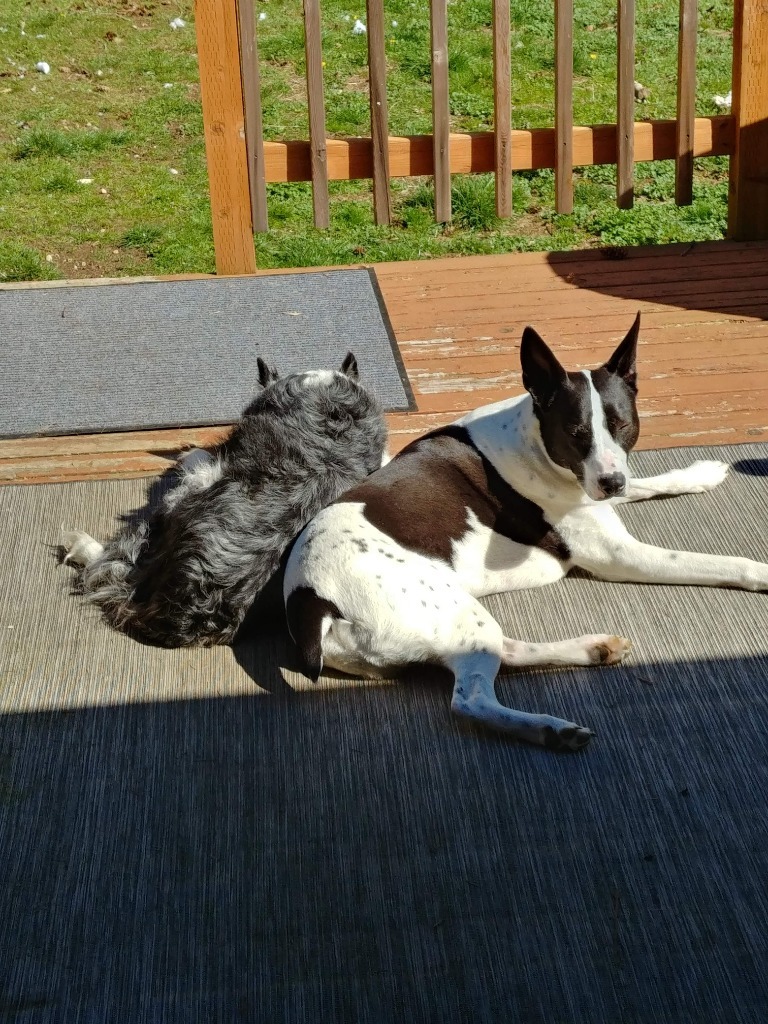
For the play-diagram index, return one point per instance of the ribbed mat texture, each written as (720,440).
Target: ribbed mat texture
(85,359)
(204,836)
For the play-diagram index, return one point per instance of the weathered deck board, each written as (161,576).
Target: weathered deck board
(703,357)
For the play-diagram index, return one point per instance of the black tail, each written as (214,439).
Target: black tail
(306,611)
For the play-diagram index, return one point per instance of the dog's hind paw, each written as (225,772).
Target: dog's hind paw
(608,650)
(81,548)
(704,475)
(567,737)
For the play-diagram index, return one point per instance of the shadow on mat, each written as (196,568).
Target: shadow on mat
(352,854)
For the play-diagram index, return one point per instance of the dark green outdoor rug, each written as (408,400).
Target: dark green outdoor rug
(204,836)
(86,359)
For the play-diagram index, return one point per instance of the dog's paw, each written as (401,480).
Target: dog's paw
(703,475)
(568,736)
(192,459)
(607,650)
(81,548)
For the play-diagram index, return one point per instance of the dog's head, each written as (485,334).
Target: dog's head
(269,374)
(319,407)
(588,419)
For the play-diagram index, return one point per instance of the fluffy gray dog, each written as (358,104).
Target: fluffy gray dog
(189,573)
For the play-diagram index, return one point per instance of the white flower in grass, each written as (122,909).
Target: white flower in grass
(358,29)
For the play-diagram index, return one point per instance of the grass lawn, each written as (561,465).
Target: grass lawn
(102,161)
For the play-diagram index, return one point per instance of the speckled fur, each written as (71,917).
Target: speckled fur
(189,573)
(513,495)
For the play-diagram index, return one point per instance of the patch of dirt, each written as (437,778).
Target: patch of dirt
(131,8)
(356,83)
(98,259)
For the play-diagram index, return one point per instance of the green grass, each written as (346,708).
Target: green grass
(102,162)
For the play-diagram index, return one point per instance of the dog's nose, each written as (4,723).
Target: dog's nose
(612,484)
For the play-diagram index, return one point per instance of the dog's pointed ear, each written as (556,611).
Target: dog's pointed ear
(622,362)
(267,374)
(349,366)
(542,372)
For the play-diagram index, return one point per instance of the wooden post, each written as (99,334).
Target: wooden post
(440,110)
(564,106)
(502,107)
(254,123)
(377,94)
(748,190)
(625,121)
(224,126)
(686,101)
(313,47)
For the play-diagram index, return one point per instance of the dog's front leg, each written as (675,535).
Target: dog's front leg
(700,476)
(601,544)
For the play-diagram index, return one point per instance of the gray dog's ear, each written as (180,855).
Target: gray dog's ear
(267,374)
(349,366)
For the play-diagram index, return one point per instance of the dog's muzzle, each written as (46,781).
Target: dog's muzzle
(612,484)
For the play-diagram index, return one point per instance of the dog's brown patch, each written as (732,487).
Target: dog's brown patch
(421,498)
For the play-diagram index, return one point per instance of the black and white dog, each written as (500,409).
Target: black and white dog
(511,496)
(190,572)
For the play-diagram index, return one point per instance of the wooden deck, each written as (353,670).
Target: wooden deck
(703,358)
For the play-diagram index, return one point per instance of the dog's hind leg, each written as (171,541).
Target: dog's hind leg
(474,698)
(193,459)
(81,548)
(594,649)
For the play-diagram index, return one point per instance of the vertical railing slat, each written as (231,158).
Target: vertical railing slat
(502,107)
(564,106)
(316,103)
(748,185)
(254,127)
(625,120)
(686,101)
(440,110)
(377,91)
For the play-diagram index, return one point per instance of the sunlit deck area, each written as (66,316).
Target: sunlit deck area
(457,322)
(204,834)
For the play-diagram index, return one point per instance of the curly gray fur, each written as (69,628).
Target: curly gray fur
(189,573)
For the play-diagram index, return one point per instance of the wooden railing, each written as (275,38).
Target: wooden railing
(241,162)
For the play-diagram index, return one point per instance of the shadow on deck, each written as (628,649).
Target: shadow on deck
(206,836)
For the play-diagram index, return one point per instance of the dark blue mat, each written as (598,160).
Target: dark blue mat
(86,359)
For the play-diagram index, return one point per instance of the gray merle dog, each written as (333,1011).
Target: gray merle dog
(189,573)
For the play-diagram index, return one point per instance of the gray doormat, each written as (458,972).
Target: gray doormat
(182,353)
(205,836)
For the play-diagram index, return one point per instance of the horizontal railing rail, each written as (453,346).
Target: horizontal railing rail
(241,162)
